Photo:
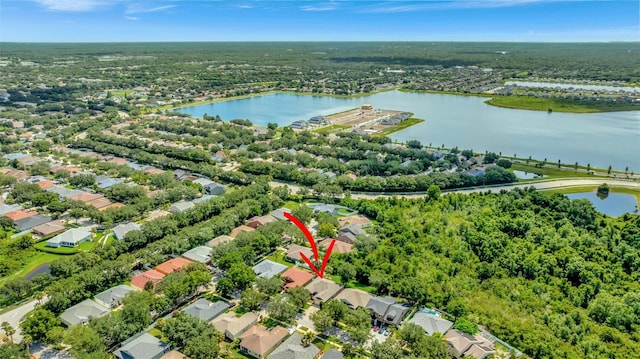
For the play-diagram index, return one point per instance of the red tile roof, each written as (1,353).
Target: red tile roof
(152,275)
(20,214)
(172,265)
(295,277)
(45,184)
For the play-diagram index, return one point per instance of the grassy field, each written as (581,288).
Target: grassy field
(559,105)
(279,257)
(408,123)
(549,172)
(331,129)
(38,259)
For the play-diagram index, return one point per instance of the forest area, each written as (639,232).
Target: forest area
(551,276)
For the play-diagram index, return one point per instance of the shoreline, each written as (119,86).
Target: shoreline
(557,105)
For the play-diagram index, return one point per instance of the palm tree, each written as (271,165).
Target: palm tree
(609,170)
(307,338)
(8,329)
(558,163)
(576,167)
(588,167)
(626,169)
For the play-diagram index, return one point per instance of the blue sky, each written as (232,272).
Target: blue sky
(261,20)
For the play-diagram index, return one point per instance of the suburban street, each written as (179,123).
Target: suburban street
(14,317)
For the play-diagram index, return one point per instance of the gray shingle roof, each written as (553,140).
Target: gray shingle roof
(199,254)
(379,305)
(122,229)
(431,323)
(145,346)
(268,269)
(292,349)
(332,354)
(83,312)
(112,297)
(30,222)
(6,208)
(64,192)
(205,310)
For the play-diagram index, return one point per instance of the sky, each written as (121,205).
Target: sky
(300,20)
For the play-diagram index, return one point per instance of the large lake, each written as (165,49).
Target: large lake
(601,139)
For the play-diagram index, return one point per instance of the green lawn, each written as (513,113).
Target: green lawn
(82,247)
(38,259)
(331,129)
(550,172)
(279,257)
(155,332)
(404,124)
(559,105)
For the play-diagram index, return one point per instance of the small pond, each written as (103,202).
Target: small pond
(614,204)
(42,269)
(526,175)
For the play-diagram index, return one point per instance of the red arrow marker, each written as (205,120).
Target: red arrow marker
(307,234)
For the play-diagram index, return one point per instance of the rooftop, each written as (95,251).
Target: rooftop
(295,277)
(172,265)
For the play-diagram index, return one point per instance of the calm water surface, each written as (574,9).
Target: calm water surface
(615,204)
(599,139)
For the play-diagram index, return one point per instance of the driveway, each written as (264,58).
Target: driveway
(304,319)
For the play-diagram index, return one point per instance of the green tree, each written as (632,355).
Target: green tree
(326,230)
(270,286)
(321,321)
(303,213)
(8,330)
(433,192)
(203,346)
(281,308)
(38,323)
(299,296)
(251,299)
(466,326)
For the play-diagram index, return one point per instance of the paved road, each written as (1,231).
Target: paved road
(14,317)
(542,185)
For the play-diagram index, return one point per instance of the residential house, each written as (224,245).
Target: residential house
(242,228)
(17,174)
(49,228)
(322,290)
(232,326)
(83,312)
(144,346)
(121,230)
(465,345)
(139,281)
(279,214)
(181,206)
(258,341)
(113,297)
(268,269)
(431,323)
(387,310)
(30,222)
(332,354)
(64,192)
(200,254)
(318,120)
(104,182)
(95,200)
(257,221)
(357,220)
(219,240)
(172,265)
(292,348)
(205,310)
(349,233)
(210,187)
(338,247)
(6,208)
(354,298)
(44,184)
(174,354)
(19,214)
(299,125)
(296,277)
(294,250)
(70,238)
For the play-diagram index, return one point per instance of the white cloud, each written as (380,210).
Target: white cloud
(245,6)
(132,18)
(418,5)
(72,5)
(139,9)
(320,7)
